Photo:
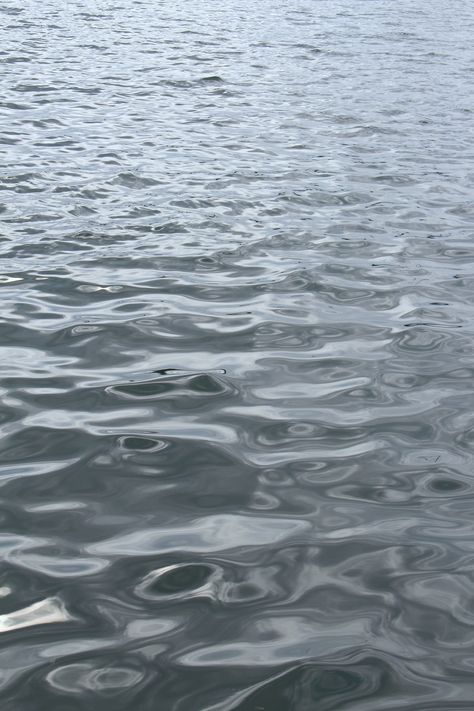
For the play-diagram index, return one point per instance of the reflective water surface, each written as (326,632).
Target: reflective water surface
(237,355)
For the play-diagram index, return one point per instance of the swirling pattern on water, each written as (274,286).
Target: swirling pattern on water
(237,355)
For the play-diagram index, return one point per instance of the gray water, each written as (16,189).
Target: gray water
(237,355)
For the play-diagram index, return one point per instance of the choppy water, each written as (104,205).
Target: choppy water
(237,355)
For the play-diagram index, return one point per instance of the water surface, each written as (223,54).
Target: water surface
(236,344)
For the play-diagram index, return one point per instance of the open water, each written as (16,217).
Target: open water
(237,355)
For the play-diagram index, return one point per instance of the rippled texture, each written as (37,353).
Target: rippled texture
(236,347)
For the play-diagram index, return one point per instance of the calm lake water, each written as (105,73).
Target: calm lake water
(237,355)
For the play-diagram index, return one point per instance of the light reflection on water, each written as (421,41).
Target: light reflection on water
(236,349)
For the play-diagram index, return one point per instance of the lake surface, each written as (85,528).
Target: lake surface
(237,355)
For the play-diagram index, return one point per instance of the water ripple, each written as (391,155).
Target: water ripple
(236,430)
